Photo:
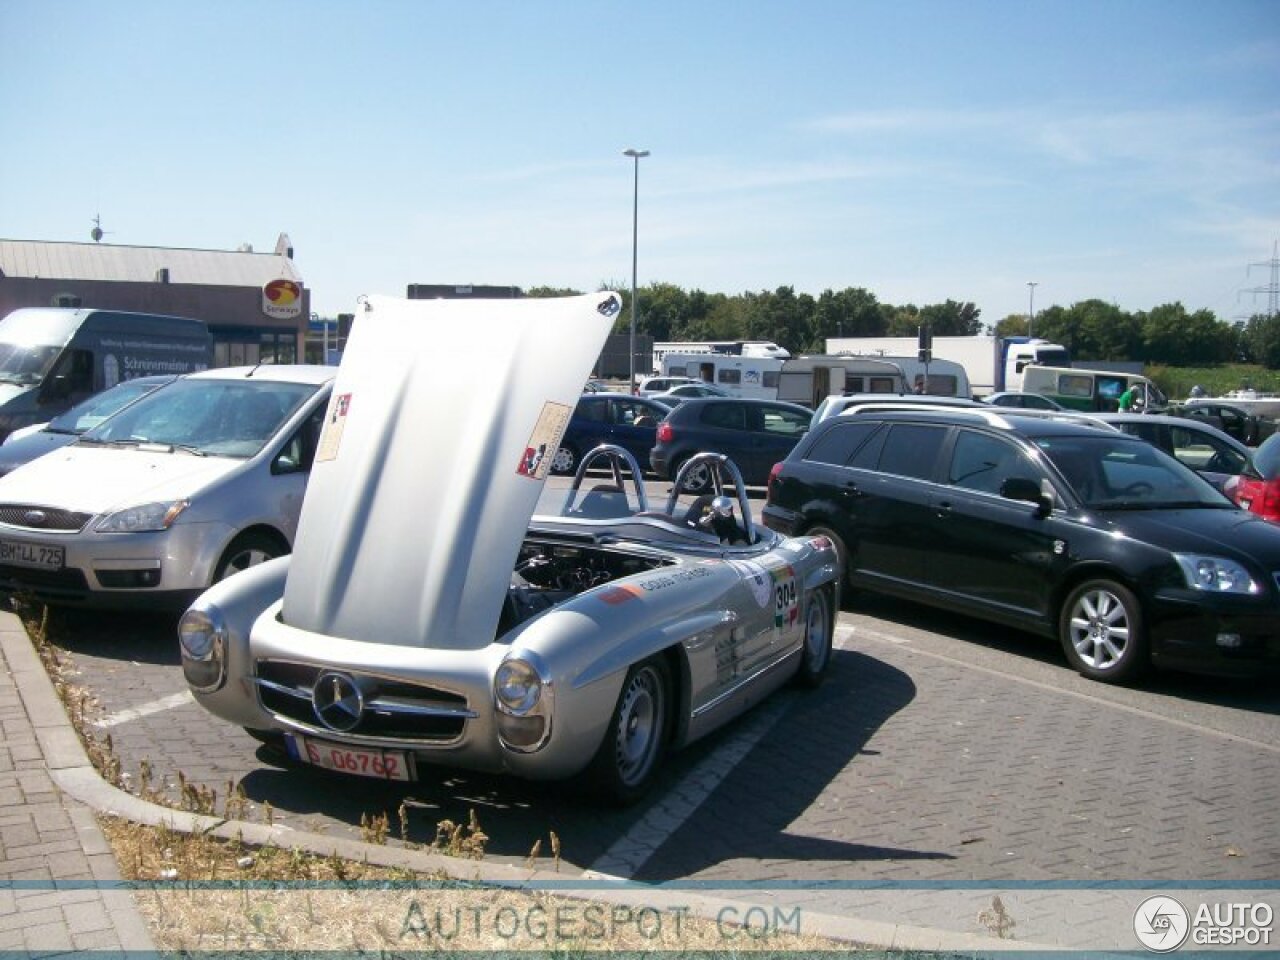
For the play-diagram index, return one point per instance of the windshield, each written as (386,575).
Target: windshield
(228,418)
(25,363)
(1118,472)
(87,415)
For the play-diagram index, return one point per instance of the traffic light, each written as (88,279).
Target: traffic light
(924,343)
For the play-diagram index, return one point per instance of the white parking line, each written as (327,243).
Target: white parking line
(629,852)
(155,706)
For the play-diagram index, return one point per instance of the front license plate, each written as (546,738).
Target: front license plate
(33,555)
(382,764)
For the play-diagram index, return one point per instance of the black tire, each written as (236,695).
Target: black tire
(697,482)
(1103,632)
(248,550)
(628,759)
(842,555)
(565,461)
(819,628)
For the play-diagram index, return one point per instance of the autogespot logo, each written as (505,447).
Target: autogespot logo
(1161,924)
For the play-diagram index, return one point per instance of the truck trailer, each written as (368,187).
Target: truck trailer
(992,363)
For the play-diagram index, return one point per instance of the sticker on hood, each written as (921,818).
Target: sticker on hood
(334,424)
(544,441)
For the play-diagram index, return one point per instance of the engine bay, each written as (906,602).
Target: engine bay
(547,573)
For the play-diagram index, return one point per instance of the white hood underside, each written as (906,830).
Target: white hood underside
(424,485)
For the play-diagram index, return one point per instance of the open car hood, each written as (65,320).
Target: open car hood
(440,431)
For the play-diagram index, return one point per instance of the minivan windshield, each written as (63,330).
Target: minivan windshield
(1118,472)
(26,363)
(87,415)
(226,418)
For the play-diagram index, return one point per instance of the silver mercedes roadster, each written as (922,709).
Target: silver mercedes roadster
(436,613)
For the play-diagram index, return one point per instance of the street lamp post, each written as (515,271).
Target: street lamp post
(1031,311)
(635,155)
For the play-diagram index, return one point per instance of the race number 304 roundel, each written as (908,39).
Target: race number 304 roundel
(786,598)
(535,461)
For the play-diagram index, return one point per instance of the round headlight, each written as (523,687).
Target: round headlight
(197,632)
(517,686)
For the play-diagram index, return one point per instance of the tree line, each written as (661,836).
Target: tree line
(1091,329)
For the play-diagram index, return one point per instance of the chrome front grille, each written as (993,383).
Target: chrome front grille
(31,517)
(392,709)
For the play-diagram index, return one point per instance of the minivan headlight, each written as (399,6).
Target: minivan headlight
(1215,574)
(144,518)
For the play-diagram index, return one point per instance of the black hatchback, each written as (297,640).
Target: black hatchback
(754,434)
(1067,530)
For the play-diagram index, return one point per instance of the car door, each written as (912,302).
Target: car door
(774,431)
(893,476)
(634,426)
(990,551)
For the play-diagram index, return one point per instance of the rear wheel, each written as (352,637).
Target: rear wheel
(565,461)
(248,550)
(1103,633)
(627,761)
(698,479)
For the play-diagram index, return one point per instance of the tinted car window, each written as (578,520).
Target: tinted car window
(1201,452)
(982,462)
(839,444)
(594,410)
(1266,459)
(911,450)
(628,412)
(730,416)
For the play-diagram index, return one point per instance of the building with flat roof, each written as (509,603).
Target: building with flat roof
(256,305)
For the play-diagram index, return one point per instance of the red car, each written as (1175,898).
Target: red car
(1257,489)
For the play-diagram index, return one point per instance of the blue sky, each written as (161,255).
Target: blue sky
(1123,150)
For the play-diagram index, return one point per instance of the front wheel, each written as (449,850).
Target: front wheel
(1103,633)
(247,550)
(627,761)
(819,626)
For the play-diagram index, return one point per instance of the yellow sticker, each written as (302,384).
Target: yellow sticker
(334,424)
(544,441)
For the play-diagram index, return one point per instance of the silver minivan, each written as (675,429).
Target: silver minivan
(199,479)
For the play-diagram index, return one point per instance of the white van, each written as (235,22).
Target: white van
(51,358)
(1096,391)
(755,377)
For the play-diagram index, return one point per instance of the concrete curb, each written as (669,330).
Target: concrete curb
(69,766)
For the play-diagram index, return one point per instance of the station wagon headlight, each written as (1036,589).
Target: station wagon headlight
(1215,574)
(144,518)
(202,635)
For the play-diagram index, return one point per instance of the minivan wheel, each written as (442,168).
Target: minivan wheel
(1102,631)
(247,550)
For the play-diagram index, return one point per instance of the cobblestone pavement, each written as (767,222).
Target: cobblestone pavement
(971,754)
(56,868)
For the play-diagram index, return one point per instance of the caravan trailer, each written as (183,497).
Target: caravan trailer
(741,376)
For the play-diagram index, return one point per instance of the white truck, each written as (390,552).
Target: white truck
(992,363)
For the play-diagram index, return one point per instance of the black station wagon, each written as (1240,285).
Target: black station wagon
(1096,537)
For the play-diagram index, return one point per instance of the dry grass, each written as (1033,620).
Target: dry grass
(203,893)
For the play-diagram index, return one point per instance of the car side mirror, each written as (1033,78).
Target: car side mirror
(1030,491)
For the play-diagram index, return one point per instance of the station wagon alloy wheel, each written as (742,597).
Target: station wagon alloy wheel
(1102,631)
